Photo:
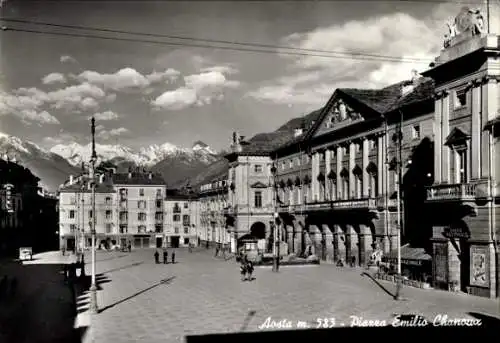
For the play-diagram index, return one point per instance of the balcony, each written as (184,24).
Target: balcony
(457,192)
(363,204)
(391,203)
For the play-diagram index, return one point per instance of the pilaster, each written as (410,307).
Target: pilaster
(445,129)
(339,169)
(328,168)
(380,164)
(490,107)
(438,141)
(365,243)
(366,176)
(352,160)
(476,133)
(453,265)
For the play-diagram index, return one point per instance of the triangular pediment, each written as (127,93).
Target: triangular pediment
(338,113)
(258,184)
(456,137)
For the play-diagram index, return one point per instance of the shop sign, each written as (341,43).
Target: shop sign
(456,232)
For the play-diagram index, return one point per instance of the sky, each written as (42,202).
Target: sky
(142,93)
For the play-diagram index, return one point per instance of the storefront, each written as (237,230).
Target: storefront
(416,264)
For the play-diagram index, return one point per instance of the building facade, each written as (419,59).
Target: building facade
(181,220)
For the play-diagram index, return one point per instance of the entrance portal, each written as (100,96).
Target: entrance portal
(174,241)
(159,242)
(258,230)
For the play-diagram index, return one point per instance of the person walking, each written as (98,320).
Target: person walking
(157,257)
(173,257)
(249,267)
(243,269)
(165,256)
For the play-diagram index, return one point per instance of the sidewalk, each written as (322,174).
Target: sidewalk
(42,307)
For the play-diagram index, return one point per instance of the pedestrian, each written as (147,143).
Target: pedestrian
(249,267)
(165,256)
(157,257)
(353,261)
(173,257)
(129,247)
(243,269)
(190,248)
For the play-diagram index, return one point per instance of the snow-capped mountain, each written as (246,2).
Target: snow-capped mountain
(51,168)
(147,156)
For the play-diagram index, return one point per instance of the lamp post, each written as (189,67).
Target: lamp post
(276,252)
(93,286)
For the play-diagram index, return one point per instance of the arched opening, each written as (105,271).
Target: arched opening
(258,230)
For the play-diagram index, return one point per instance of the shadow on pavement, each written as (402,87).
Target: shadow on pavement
(486,320)
(161,282)
(378,284)
(82,285)
(123,267)
(42,309)
(340,334)
(247,320)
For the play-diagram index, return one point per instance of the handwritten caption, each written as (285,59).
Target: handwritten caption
(358,321)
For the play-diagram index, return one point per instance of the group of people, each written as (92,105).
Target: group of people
(246,268)
(165,257)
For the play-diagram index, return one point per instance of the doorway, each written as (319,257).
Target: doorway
(70,244)
(159,242)
(174,241)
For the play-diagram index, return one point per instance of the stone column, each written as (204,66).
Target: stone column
(445,131)
(438,140)
(339,169)
(289,238)
(365,243)
(366,176)
(338,243)
(352,161)
(328,168)
(328,237)
(314,176)
(453,265)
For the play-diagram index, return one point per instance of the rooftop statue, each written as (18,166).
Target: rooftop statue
(468,21)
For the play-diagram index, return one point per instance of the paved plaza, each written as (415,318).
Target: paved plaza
(142,301)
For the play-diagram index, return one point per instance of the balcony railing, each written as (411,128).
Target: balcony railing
(457,192)
(330,205)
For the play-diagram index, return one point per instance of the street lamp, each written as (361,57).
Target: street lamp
(93,286)
(276,251)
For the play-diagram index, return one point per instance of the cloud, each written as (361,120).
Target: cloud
(200,89)
(54,78)
(108,134)
(311,80)
(105,116)
(127,79)
(79,97)
(42,117)
(67,59)
(221,69)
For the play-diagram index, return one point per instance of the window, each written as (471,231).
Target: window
(283,165)
(108,201)
(460,98)
(108,228)
(90,214)
(177,208)
(176,230)
(333,189)
(141,192)
(359,186)
(290,163)
(461,166)
(123,216)
(186,230)
(186,205)
(158,228)
(108,214)
(258,168)
(396,181)
(186,219)
(158,203)
(72,228)
(345,187)
(141,216)
(123,203)
(159,216)
(141,228)
(158,193)
(373,185)
(177,218)
(258,199)
(71,214)
(123,229)
(141,204)
(186,241)
(415,132)
(297,162)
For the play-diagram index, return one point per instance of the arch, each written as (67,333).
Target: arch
(332,175)
(357,170)
(282,184)
(307,179)
(298,182)
(344,172)
(258,230)
(321,177)
(289,183)
(371,168)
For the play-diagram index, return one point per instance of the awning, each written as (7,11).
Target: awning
(410,256)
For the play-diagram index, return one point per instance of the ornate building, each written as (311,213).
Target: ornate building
(212,203)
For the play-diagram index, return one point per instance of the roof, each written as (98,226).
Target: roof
(82,187)
(410,253)
(134,178)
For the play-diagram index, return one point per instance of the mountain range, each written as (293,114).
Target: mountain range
(178,166)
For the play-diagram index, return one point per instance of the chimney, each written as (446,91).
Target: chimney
(297,132)
(70,180)
(236,144)
(101,178)
(150,175)
(129,172)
